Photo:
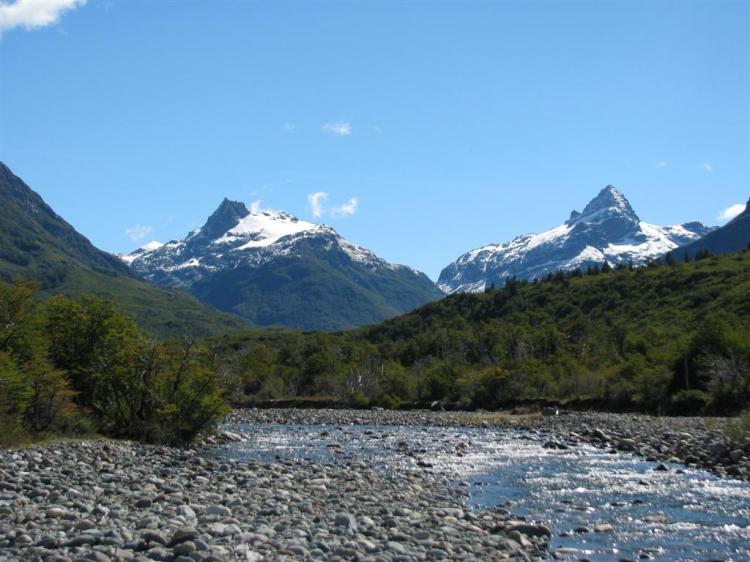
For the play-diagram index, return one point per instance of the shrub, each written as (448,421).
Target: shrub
(78,365)
(738,430)
(689,402)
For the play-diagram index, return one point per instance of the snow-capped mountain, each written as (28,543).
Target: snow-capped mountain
(273,268)
(608,229)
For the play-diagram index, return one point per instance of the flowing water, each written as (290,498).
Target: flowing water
(679,515)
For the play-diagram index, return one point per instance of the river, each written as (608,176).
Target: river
(601,506)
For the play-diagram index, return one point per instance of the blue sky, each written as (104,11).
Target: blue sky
(433,127)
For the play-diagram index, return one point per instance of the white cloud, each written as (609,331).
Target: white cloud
(732,211)
(339,128)
(316,203)
(708,167)
(138,232)
(33,14)
(318,208)
(288,127)
(348,208)
(662,164)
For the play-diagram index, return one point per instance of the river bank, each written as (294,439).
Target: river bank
(692,441)
(110,501)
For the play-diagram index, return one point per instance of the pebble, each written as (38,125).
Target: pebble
(116,501)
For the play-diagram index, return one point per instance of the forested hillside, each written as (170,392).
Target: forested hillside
(36,243)
(673,337)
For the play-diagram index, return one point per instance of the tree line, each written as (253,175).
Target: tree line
(670,337)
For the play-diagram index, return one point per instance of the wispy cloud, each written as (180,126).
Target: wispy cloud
(347,209)
(318,207)
(339,128)
(377,129)
(288,127)
(34,14)
(707,167)
(730,212)
(316,203)
(662,164)
(138,232)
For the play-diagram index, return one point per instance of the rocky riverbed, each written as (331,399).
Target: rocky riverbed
(108,500)
(695,442)
(118,501)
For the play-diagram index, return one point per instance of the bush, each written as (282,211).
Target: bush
(78,365)
(738,430)
(689,402)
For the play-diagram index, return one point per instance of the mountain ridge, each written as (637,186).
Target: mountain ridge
(242,257)
(608,229)
(732,237)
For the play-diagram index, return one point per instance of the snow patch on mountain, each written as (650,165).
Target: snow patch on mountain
(236,235)
(143,250)
(262,228)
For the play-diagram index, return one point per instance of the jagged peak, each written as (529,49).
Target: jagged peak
(225,217)
(696,226)
(609,200)
(261,227)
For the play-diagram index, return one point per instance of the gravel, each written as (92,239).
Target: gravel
(120,501)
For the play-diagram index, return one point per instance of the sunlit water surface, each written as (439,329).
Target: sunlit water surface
(683,514)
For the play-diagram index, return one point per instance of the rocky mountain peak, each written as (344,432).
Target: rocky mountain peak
(271,267)
(225,217)
(608,229)
(609,203)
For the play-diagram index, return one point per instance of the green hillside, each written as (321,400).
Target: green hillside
(38,244)
(309,279)
(732,237)
(660,338)
(316,290)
